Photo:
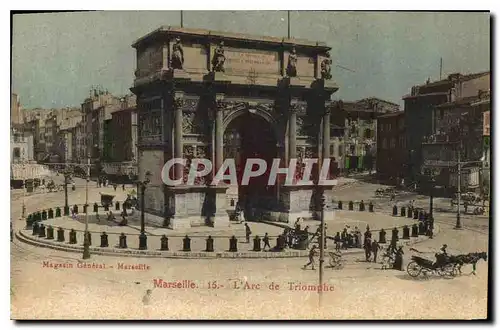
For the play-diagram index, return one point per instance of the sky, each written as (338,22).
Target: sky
(57,57)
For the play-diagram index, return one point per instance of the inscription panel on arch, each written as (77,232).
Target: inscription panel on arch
(244,61)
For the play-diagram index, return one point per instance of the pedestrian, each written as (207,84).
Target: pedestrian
(398,261)
(375,248)
(123,187)
(248,232)
(368,247)
(115,186)
(312,253)
(266,241)
(146,300)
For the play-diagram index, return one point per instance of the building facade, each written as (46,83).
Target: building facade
(391,146)
(205,94)
(360,133)
(458,135)
(16,112)
(420,113)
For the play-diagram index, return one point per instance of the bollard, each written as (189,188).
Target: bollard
(41,230)
(123,241)
(66,210)
(406,232)
(44,215)
(75,209)
(381,238)
(210,244)
(395,211)
(186,244)
(403,211)
(104,239)
(233,244)
(340,205)
(164,243)
(395,235)
(370,207)
(72,237)
(410,213)
(362,206)
(58,212)
(421,228)
(35,228)
(89,237)
(117,206)
(60,235)
(280,242)
(29,222)
(256,243)
(51,213)
(50,232)
(351,206)
(414,230)
(96,208)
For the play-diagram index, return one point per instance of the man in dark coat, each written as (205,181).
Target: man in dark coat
(266,241)
(368,247)
(398,261)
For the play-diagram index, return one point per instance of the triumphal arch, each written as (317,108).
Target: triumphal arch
(206,94)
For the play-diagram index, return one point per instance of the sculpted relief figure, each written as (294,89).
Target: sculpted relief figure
(326,67)
(177,60)
(219,58)
(291,69)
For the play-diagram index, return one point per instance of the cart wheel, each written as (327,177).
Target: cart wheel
(413,269)
(332,263)
(340,264)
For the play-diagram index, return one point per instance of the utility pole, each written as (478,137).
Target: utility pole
(182,20)
(321,246)
(440,68)
(288,22)
(459,187)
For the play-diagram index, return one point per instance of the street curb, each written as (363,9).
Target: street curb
(116,252)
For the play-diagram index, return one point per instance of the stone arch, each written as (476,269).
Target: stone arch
(258,112)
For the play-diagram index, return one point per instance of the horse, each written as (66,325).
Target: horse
(470,258)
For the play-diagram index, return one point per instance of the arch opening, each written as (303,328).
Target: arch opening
(252,136)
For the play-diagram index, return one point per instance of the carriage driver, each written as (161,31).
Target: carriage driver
(442,257)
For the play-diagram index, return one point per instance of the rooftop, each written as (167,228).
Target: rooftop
(169,30)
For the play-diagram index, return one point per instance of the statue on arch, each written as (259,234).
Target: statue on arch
(219,58)
(177,60)
(291,68)
(326,69)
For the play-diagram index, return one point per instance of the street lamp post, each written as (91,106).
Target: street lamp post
(432,183)
(143,239)
(86,243)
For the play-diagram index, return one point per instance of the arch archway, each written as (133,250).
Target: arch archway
(250,134)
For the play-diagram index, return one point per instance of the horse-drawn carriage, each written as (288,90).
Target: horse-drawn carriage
(441,267)
(450,265)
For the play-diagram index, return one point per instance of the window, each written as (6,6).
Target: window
(16,152)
